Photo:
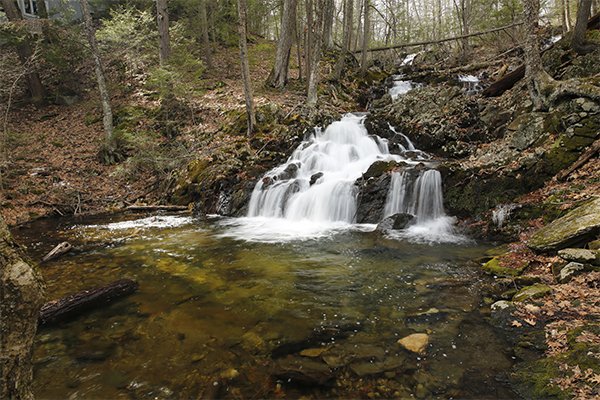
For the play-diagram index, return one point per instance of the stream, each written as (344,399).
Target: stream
(296,300)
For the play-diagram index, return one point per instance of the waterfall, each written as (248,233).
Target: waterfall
(420,196)
(317,182)
(316,191)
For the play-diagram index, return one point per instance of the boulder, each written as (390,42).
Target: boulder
(578,226)
(570,270)
(396,222)
(581,256)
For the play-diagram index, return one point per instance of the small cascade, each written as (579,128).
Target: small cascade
(401,87)
(416,192)
(470,83)
(317,182)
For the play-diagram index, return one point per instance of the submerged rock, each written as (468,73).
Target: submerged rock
(417,343)
(578,226)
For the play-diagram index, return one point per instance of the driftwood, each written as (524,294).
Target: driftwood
(589,153)
(74,304)
(58,251)
(400,46)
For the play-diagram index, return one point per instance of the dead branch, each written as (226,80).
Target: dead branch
(399,46)
(58,251)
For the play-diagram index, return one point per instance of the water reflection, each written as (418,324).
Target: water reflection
(217,316)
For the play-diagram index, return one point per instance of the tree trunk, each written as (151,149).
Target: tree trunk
(328,24)
(242,30)
(365,44)
(298,50)
(348,11)
(309,40)
(108,153)
(279,74)
(22,293)
(164,43)
(578,42)
(313,77)
(535,74)
(26,57)
(205,39)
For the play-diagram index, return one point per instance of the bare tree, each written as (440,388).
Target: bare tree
(22,294)
(108,153)
(279,74)
(328,24)
(578,42)
(205,39)
(164,43)
(313,76)
(365,44)
(36,89)
(348,11)
(243,33)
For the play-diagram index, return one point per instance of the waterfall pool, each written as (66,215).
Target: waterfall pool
(224,312)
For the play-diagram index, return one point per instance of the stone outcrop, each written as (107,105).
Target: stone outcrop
(578,226)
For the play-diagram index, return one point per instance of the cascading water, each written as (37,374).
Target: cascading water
(317,182)
(316,188)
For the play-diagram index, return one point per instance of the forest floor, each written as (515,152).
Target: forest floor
(52,169)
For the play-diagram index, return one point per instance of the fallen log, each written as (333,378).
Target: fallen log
(505,83)
(58,251)
(157,208)
(589,153)
(77,303)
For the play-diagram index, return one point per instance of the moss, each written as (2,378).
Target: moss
(499,250)
(495,267)
(196,169)
(532,292)
(378,168)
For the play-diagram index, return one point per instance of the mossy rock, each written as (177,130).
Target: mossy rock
(532,292)
(379,168)
(580,225)
(533,379)
(499,250)
(196,169)
(494,267)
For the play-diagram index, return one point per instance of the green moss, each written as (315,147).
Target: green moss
(378,168)
(196,170)
(532,292)
(495,267)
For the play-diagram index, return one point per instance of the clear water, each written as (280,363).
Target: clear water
(223,304)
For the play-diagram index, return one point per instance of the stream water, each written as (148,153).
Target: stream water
(272,305)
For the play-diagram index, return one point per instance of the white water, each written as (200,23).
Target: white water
(401,87)
(471,84)
(341,153)
(286,206)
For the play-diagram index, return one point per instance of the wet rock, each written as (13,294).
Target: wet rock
(583,256)
(372,198)
(570,270)
(315,177)
(578,226)
(396,222)
(303,370)
(532,292)
(417,343)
